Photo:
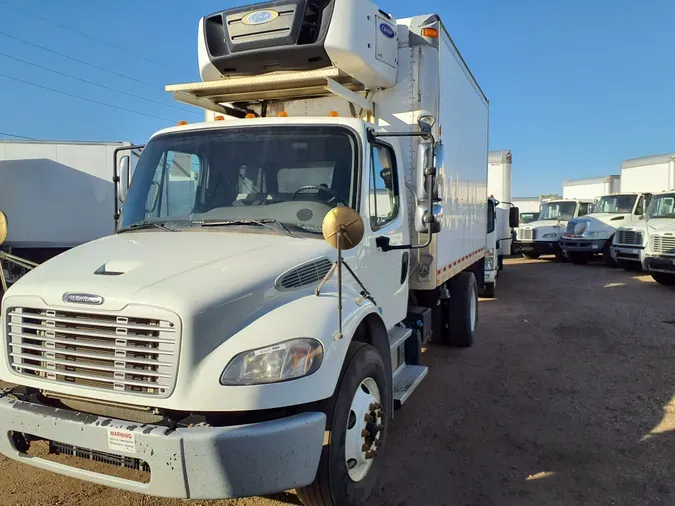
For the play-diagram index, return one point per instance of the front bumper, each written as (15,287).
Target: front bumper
(194,463)
(660,264)
(582,245)
(490,276)
(540,247)
(628,253)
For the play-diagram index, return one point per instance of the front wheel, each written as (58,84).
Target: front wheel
(607,255)
(490,290)
(531,256)
(560,256)
(629,265)
(357,422)
(663,278)
(578,258)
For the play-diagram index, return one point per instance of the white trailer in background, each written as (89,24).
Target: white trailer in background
(55,195)
(642,177)
(528,207)
(218,342)
(591,188)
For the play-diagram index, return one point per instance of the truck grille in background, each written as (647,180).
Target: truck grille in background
(125,354)
(525,234)
(664,245)
(629,237)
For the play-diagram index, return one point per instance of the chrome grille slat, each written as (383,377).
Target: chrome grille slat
(91,356)
(525,234)
(90,333)
(147,328)
(629,238)
(87,344)
(85,365)
(122,353)
(664,245)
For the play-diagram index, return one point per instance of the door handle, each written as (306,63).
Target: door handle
(404,266)
(383,242)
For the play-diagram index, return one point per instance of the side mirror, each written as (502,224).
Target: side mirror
(514,217)
(125,177)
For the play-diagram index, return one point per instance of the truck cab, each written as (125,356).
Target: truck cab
(593,234)
(659,258)
(542,237)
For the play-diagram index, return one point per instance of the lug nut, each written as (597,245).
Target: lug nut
(374,406)
(365,448)
(368,418)
(365,433)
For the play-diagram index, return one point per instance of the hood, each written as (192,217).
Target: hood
(542,228)
(603,224)
(182,271)
(543,223)
(662,225)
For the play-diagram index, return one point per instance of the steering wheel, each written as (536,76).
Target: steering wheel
(336,196)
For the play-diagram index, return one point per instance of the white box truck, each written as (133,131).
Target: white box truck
(529,208)
(218,343)
(541,237)
(642,177)
(659,258)
(503,217)
(54,195)
(591,188)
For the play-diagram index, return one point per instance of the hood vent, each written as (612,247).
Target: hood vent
(303,274)
(617,218)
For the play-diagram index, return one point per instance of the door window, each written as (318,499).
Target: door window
(384,196)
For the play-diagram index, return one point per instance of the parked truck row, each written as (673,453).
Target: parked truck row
(275,271)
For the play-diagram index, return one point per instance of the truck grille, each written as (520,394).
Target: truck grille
(125,354)
(525,234)
(629,237)
(664,245)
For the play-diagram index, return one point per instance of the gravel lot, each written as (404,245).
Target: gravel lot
(567,398)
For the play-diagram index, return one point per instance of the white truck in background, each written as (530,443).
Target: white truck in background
(542,237)
(55,195)
(529,208)
(659,258)
(591,188)
(502,216)
(218,343)
(642,176)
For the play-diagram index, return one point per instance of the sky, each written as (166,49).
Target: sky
(575,86)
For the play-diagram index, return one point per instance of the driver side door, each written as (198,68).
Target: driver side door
(385,274)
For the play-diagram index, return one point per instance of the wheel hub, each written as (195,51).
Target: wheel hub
(365,429)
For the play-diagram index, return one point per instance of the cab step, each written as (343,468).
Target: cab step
(406,380)
(397,336)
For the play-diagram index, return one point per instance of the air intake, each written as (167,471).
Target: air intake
(304,274)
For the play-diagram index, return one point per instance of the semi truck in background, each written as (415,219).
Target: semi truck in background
(642,176)
(503,217)
(54,195)
(542,237)
(660,251)
(591,188)
(254,332)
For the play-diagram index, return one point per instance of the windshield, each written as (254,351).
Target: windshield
(616,204)
(662,206)
(529,217)
(293,175)
(558,211)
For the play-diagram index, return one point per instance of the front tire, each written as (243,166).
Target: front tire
(578,258)
(607,255)
(531,256)
(663,278)
(347,472)
(560,256)
(629,266)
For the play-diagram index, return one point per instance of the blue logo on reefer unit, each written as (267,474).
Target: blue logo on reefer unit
(260,17)
(387,30)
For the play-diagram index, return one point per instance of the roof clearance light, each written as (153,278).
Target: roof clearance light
(430,32)
(218,118)
(182,122)
(282,114)
(250,115)
(334,114)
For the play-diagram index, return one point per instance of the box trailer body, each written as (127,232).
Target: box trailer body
(227,315)
(499,186)
(591,188)
(528,207)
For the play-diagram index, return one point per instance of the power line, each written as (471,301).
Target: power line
(74,30)
(85,99)
(95,84)
(18,136)
(82,61)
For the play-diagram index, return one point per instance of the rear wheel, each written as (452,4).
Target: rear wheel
(531,256)
(578,258)
(663,278)
(357,421)
(461,310)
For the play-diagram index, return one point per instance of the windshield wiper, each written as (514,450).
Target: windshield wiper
(145,225)
(262,222)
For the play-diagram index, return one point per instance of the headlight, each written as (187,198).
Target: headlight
(551,235)
(284,361)
(490,252)
(594,234)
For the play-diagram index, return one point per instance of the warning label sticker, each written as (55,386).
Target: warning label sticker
(121,440)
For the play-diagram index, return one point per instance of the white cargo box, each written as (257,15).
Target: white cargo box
(591,188)
(650,174)
(56,194)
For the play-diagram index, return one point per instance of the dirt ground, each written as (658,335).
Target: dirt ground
(568,397)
